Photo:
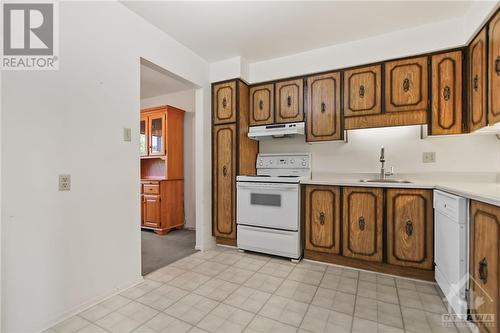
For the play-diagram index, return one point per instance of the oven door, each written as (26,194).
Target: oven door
(269,205)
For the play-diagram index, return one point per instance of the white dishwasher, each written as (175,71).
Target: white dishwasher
(451,248)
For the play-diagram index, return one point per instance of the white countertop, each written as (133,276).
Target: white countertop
(481,187)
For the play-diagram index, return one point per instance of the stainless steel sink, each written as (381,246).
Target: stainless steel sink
(378,180)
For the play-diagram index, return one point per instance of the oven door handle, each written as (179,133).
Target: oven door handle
(268,187)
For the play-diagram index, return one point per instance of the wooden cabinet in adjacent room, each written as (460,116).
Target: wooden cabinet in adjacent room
(289,101)
(323,107)
(477,82)
(224,103)
(322,219)
(494,72)
(362,91)
(447,93)
(484,263)
(262,104)
(363,223)
(410,228)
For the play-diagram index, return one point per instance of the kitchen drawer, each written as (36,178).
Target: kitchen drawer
(151,189)
(449,205)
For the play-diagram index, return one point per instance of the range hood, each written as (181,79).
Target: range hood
(275,131)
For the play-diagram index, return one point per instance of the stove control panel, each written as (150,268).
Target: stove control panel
(284,161)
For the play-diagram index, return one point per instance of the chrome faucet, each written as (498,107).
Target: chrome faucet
(383,173)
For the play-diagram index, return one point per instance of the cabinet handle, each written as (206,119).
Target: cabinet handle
(224,102)
(409,227)
(362,91)
(483,270)
(321,218)
(361,223)
(476,82)
(446,93)
(224,170)
(289,101)
(261,105)
(323,107)
(406,85)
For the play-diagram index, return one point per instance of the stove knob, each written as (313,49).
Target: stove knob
(260,163)
(292,161)
(270,162)
(304,163)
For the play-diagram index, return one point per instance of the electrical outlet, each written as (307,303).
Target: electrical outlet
(64,182)
(127,134)
(429,157)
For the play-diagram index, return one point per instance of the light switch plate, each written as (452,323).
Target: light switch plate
(429,157)
(64,182)
(127,134)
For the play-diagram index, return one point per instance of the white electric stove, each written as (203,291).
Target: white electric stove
(268,205)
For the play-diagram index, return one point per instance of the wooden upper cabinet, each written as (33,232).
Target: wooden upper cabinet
(224,103)
(323,107)
(322,219)
(484,266)
(406,85)
(289,101)
(410,228)
(157,132)
(494,65)
(477,82)
(362,223)
(262,104)
(224,174)
(447,93)
(362,91)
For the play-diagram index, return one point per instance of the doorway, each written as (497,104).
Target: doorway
(167,131)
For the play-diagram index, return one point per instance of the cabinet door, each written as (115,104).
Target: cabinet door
(224,173)
(447,93)
(157,134)
(362,91)
(362,223)
(323,111)
(142,209)
(484,266)
(323,218)
(262,105)
(409,228)
(224,102)
(477,82)
(143,134)
(152,210)
(406,85)
(494,65)
(289,101)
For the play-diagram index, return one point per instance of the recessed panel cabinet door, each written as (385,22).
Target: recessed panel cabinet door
(323,219)
(494,65)
(224,173)
(289,101)
(323,111)
(143,136)
(152,210)
(362,223)
(409,228)
(484,266)
(224,103)
(477,82)
(447,93)
(262,105)
(362,91)
(406,86)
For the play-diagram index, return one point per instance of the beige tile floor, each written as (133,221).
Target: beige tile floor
(223,290)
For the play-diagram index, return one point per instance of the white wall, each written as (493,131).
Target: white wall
(184,100)
(64,250)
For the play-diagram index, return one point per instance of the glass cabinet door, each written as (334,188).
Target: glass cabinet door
(156,135)
(143,134)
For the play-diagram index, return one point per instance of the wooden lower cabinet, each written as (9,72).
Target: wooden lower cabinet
(363,223)
(410,228)
(484,264)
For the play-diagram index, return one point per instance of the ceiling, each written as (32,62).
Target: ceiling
(262,30)
(156,82)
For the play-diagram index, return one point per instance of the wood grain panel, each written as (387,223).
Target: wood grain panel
(247,148)
(484,266)
(410,228)
(224,103)
(289,101)
(477,82)
(262,104)
(322,218)
(363,223)
(406,85)
(447,93)
(387,120)
(362,91)
(494,65)
(152,210)
(323,107)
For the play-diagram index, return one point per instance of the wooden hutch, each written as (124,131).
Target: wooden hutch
(162,168)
